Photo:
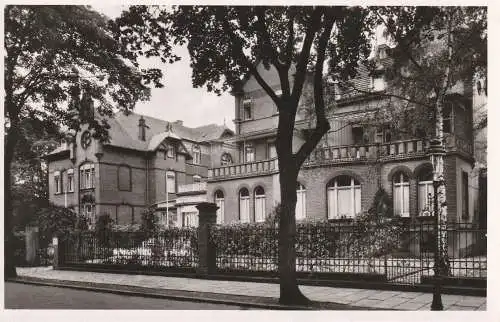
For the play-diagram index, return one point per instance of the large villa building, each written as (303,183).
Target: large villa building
(154,163)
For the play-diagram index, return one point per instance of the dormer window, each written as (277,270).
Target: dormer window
(247,108)
(170,151)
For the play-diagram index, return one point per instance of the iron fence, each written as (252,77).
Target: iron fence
(395,251)
(170,249)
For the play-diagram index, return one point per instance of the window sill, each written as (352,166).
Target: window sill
(87,189)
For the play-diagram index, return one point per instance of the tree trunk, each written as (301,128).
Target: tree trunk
(289,290)
(10,145)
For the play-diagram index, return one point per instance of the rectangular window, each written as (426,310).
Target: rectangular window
(87,176)
(247,109)
(425,198)
(271,154)
(196,155)
(170,182)
(245,209)
(401,196)
(70,181)
(358,135)
(465,195)
(57,182)
(190,219)
(260,208)
(249,154)
(300,208)
(170,151)
(220,211)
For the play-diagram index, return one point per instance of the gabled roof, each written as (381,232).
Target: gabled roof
(124,132)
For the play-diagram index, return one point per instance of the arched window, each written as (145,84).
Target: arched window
(425,193)
(244,205)
(401,194)
(260,204)
(87,176)
(300,208)
(219,201)
(196,154)
(344,197)
(226,159)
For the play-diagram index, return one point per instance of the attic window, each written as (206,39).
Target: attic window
(170,150)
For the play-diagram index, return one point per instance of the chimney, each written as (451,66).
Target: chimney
(179,122)
(142,129)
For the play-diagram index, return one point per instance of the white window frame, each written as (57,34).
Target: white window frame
(300,207)
(399,189)
(260,205)
(196,154)
(196,179)
(87,176)
(249,151)
(70,183)
(271,150)
(333,202)
(219,201)
(244,206)
(170,151)
(247,109)
(428,209)
(170,188)
(58,182)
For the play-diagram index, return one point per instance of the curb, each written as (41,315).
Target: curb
(243,301)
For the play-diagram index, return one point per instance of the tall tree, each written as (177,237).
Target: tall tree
(226,43)
(54,54)
(438,53)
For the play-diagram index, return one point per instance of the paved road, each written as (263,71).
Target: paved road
(22,296)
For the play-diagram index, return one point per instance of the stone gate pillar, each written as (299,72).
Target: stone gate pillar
(206,249)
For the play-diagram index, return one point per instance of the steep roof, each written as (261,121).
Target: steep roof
(124,130)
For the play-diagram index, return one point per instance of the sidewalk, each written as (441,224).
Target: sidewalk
(242,292)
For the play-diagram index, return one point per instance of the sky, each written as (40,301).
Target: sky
(178,100)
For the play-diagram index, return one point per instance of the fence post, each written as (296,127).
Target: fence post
(57,247)
(206,249)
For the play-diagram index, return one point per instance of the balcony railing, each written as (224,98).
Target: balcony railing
(365,152)
(244,169)
(396,150)
(198,186)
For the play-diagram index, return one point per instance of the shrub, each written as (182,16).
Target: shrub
(103,229)
(149,223)
(55,220)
